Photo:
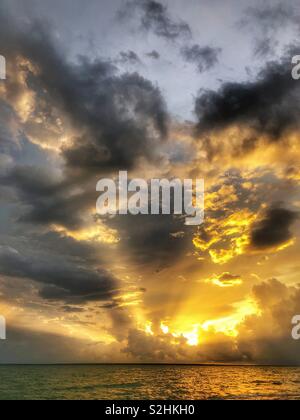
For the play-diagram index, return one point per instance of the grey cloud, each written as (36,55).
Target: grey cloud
(55,242)
(267,21)
(205,57)
(270,105)
(266,338)
(150,240)
(62,278)
(46,199)
(117,138)
(265,47)
(130,57)
(36,347)
(273,15)
(121,323)
(154,17)
(154,55)
(119,119)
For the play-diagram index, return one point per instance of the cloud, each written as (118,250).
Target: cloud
(111,121)
(154,55)
(150,239)
(151,348)
(205,58)
(263,337)
(62,277)
(240,221)
(47,199)
(73,310)
(269,20)
(229,218)
(121,323)
(129,57)
(24,346)
(274,229)
(225,280)
(165,348)
(272,15)
(266,338)
(265,47)
(154,17)
(63,123)
(121,129)
(269,106)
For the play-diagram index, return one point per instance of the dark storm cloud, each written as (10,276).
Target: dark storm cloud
(270,105)
(153,240)
(274,229)
(62,278)
(205,58)
(126,121)
(55,242)
(47,200)
(119,119)
(154,17)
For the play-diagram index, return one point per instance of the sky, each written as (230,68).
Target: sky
(161,89)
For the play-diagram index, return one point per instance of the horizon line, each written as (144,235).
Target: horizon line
(155,364)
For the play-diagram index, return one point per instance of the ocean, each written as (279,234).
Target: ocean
(139,382)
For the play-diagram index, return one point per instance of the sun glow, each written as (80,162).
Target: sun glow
(233,233)
(164,328)
(148,328)
(229,325)
(192,337)
(96,233)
